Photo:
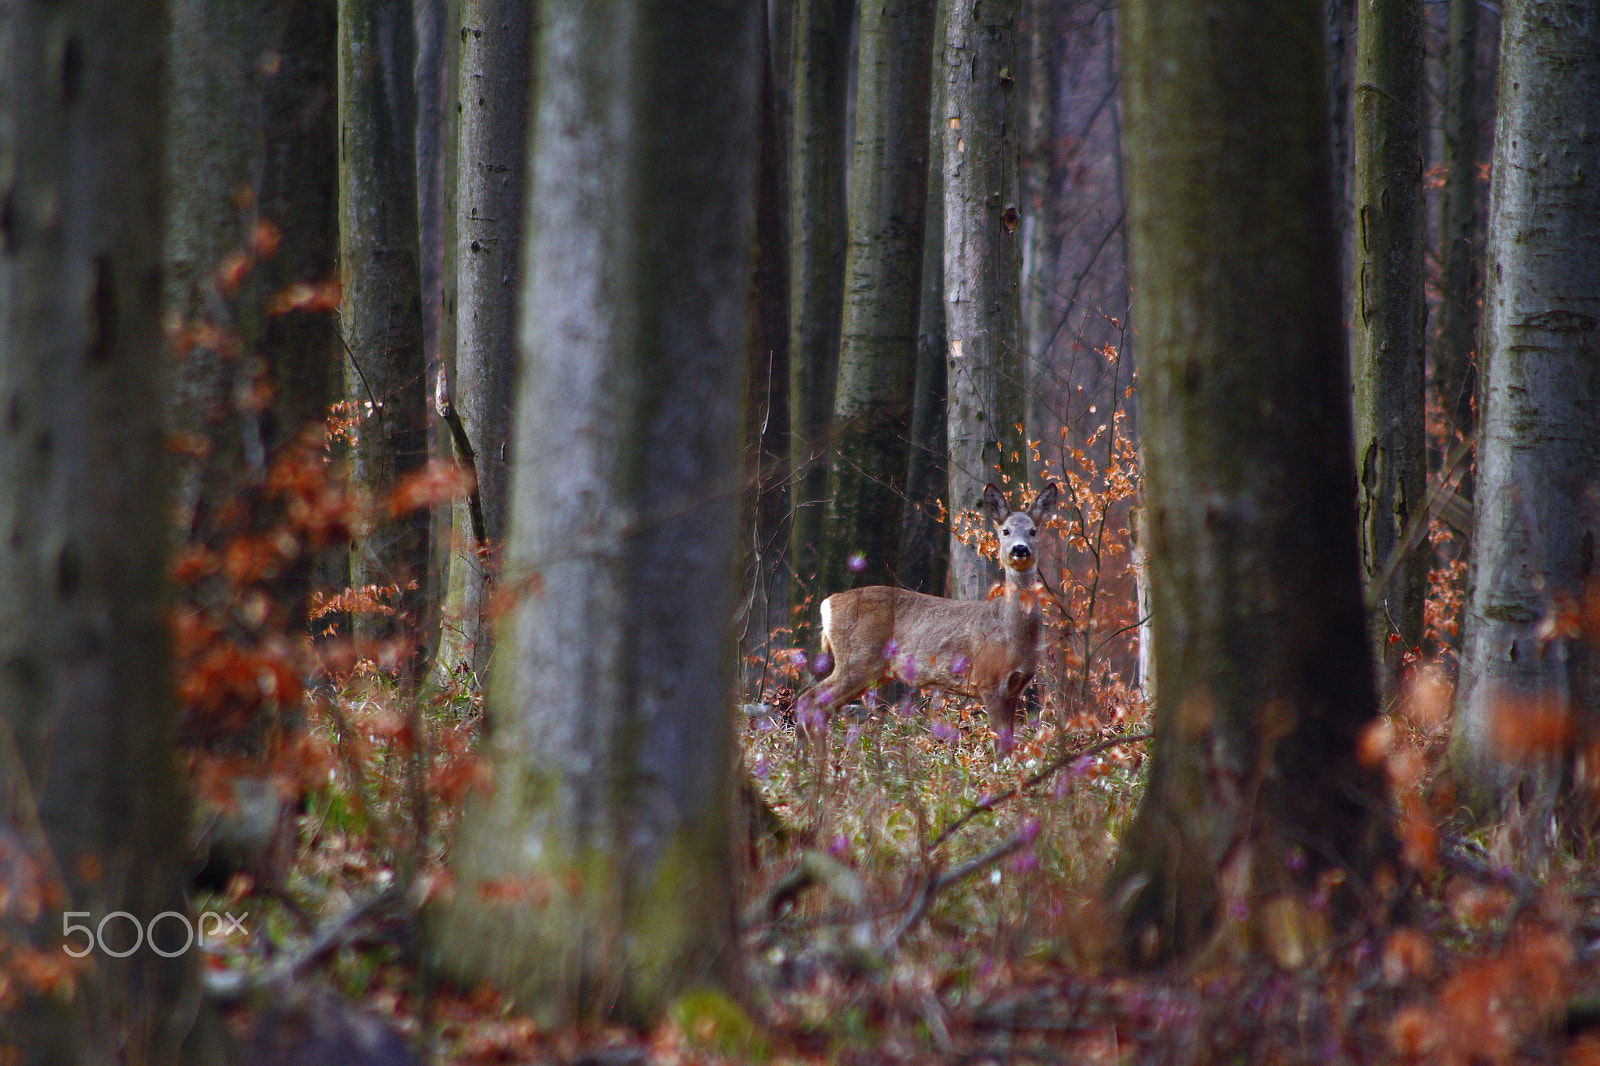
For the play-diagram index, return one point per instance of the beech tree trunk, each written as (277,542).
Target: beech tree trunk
(382,309)
(766,417)
(818,97)
(1460,239)
(1538,470)
(982,263)
(924,536)
(1389,322)
(597,875)
(249,147)
(1263,675)
(496,39)
(92,812)
(883,279)
(251,169)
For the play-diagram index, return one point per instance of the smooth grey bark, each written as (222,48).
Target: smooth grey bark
(818,79)
(496,38)
(597,875)
(249,147)
(381,314)
(766,417)
(1460,236)
(436,26)
(1040,179)
(1263,676)
(435,29)
(982,264)
(1389,323)
(92,811)
(924,537)
(883,278)
(250,168)
(1535,521)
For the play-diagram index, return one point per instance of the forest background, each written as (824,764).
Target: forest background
(430,429)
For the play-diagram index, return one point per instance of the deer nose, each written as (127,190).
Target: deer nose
(1021,551)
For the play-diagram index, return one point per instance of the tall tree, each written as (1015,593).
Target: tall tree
(1264,679)
(382,309)
(983,300)
(1388,323)
(435,29)
(91,808)
(766,431)
(250,255)
(1538,469)
(496,38)
(597,874)
(883,278)
(1460,238)
(818,79)
(924,537)
(251,168)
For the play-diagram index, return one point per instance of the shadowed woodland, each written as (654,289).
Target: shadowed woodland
(699,531)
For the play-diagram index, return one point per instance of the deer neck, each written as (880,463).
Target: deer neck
(1022,590)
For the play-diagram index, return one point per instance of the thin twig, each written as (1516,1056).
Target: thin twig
(934,883)
(1032,782)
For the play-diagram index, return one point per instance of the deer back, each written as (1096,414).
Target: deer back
(928,641)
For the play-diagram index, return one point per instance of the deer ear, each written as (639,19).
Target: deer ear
(994,504)
(1044,501)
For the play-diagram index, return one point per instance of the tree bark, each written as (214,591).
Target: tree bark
(1459,231)
(983,308)
(1533,545)
(250,143)
(496,43)
(382,309)
(91,807)
(597,876)
(1262,670)
(1040,179)
(883,278)
(924,538)
(251,168)
(818,95)
(1389,323)
(766,430)
(924,551)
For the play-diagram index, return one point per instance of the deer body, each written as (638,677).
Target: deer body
(986,649)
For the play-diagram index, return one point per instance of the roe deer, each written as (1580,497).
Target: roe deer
(987,649)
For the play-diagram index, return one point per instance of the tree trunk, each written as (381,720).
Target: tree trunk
(597,876)
(249,147)
(983,309)
(382,309)
(1389,323)
(435,29)
(251,169)
(924,551)
(883,278)
(436,26)
(1459,235)
(818,85)
(924,537)
(1533,544)
(1262,671)
(496,39)
(1042,209)
(766,429)
(91,807)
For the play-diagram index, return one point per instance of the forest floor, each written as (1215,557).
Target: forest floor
(928,901)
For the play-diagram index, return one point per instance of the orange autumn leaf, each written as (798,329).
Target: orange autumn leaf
(1529,727)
